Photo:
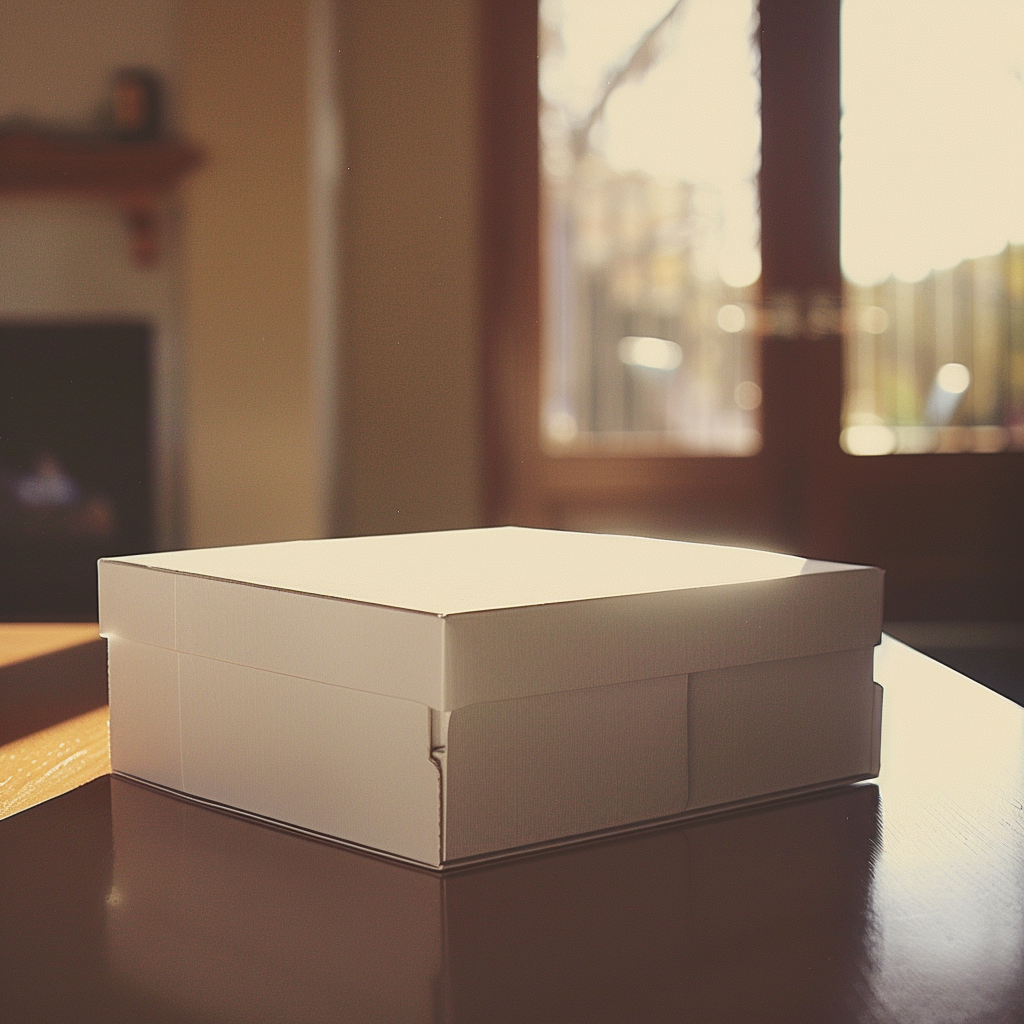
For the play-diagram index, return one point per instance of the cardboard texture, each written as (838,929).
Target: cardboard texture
(447,697)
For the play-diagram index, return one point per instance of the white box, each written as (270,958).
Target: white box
(446,697)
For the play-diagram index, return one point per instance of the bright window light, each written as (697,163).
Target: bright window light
(932,232)
(933,152)
(653,353)
(650,149)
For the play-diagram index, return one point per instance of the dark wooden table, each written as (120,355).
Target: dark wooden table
(897,902)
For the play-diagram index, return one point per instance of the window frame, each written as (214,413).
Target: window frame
(801,492)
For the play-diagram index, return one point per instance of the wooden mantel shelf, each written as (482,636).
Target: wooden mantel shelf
(134,176)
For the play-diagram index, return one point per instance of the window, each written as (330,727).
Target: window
(933,225)
(650,147)
(945,527)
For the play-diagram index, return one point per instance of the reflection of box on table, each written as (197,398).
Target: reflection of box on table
(222,919)
(449,696)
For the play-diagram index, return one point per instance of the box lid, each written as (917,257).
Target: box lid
(457,617)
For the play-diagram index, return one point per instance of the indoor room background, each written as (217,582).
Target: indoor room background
(352,322)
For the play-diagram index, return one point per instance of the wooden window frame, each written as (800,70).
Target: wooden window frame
(801,492)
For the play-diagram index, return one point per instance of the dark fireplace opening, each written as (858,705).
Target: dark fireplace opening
(75,461)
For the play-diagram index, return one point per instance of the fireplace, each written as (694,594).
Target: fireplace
(76,480)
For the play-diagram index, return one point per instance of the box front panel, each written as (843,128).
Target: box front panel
(761,729)
(145,737)
(541,768)
(345,763)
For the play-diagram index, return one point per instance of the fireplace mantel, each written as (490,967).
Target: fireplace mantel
(133,176)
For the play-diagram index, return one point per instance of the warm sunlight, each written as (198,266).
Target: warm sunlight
(933,146)
(932,232)
(650,136)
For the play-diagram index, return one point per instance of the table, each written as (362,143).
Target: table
(901,901)
(54,731)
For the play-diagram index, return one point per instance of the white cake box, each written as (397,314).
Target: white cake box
(447,697)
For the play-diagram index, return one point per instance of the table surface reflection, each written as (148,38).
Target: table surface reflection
(901,901)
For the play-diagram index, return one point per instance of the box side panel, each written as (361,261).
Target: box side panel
(360,646)
(144,733)
(541,768)
(524,651)
(876,732)
(136,603)
(343,762)
(762,729)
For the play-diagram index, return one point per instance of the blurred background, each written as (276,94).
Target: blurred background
(708,269)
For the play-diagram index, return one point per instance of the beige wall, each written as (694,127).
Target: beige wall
(250,469)
(411,435)
(244,388)
(243,385)
(72,260)
(408,451)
